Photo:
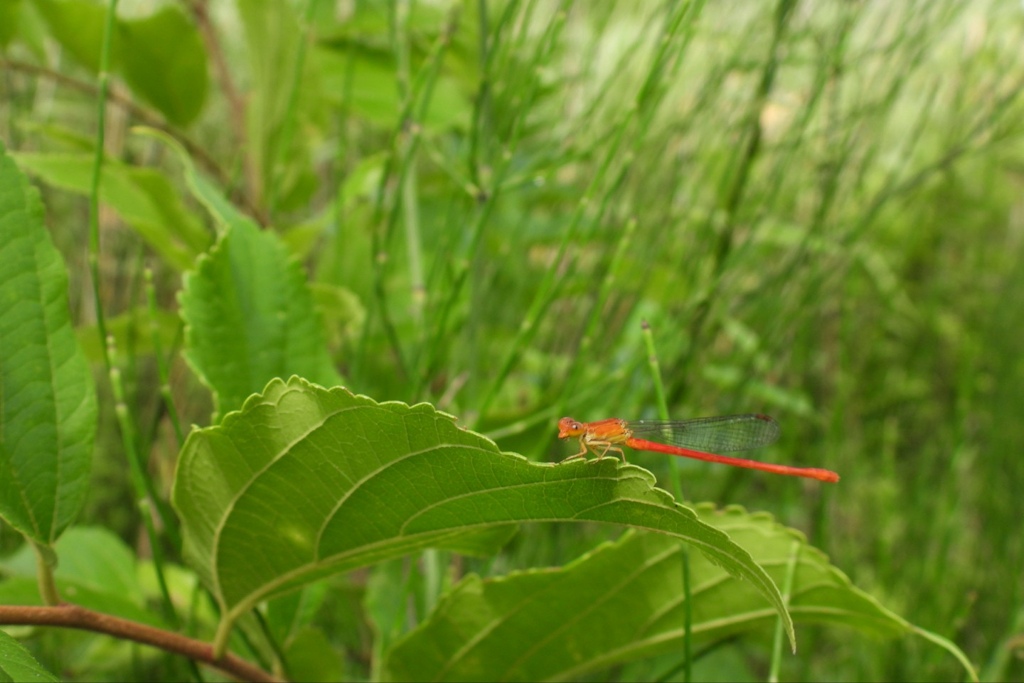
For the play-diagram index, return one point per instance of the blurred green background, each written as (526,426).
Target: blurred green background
(814,205)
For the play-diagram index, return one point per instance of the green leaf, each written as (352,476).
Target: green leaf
(304,482)
(287,614)
(202,188)
(624,602)
(386,603)
(10,16)
(96,570)
(821,593)
(312,657)
(161,56)
(16,664)
(22,20)
(47,398)
(78,26)
(164,60)
(251,317)
(142,197)
(250,313)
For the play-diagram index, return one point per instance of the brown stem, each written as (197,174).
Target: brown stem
(235,99)
(74,616)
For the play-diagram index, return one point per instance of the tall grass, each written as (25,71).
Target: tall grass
(823,231)
(813,205)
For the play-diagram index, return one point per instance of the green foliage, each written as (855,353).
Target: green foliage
(47,398)
(16,664)
(164,61)
(623,602)
(142,197)
(97,570)
(9,14)
(379,481)
(161,56)
(250,316)
(78,26)
(482,208)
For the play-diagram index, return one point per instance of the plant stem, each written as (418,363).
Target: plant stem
(97,174)
(408,201)
(161,362)
(780,628)
(142,484)
(280,152)
(236,104)
(137,112)
(45,562)
(677,488)
(80,618)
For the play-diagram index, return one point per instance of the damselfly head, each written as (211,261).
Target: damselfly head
(568,427)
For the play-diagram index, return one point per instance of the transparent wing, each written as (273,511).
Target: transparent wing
(724,434)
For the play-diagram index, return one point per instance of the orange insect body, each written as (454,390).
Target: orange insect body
(726,433)
(600,437)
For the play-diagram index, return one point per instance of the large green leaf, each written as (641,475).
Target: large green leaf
(17,664)
(304,482)
(820,593)
(164,60)
(143,197)
(249,311)
(47,398)
(251,317)
(623,602)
